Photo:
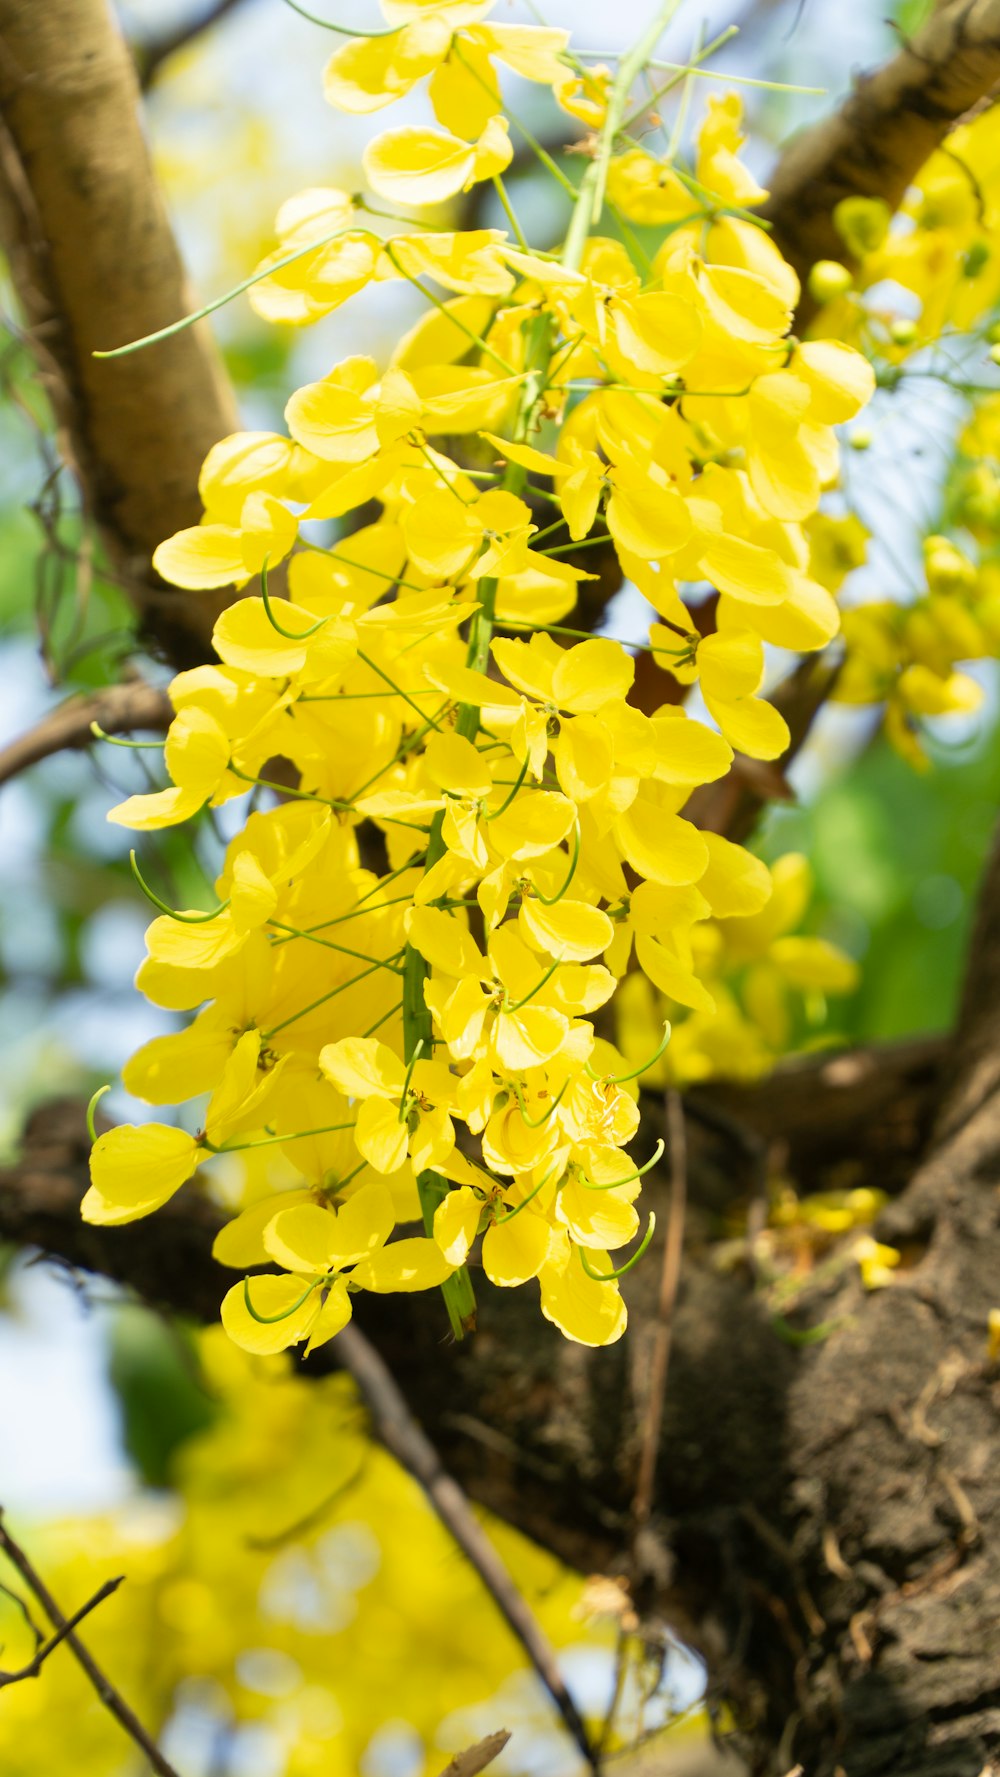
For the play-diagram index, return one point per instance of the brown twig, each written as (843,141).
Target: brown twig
(112,1699)
(659,1362)
(45,1648)
(116,710)
(150,57)
(397,1429)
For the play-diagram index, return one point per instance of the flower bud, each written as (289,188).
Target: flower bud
(828,280)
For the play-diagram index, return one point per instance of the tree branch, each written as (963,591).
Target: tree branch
(95,265)
(151,56)
(884,132)
(118,710)
(34,1666)
(397,1429)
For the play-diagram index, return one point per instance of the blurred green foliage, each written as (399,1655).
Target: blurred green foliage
(897,857)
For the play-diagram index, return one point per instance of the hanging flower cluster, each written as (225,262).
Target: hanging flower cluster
(922,305)
(402,975)
(755,987)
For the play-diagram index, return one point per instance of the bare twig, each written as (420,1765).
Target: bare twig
(659,1362)
(117,710)
(150,57)
(42,1652)
(112,1699)
(397,1429)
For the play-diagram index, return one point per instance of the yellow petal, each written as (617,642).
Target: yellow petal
(735,883)
(841,381)
(592,674)
(444,942)
(334,1314)
(660,845)
(751,726)
(270,1296)
(417,166)
(586,1312)
(368,72)
(414,1264)
(241,1242)
(571,930)
(361,1066)
(456,1223)
(208,555)
(245,637)
(380,1136)
(196,751)
(646,519)
(666,971)
(686,751)
(252,895)
(657,332)
(163,808)
(136,1168)
(513,1253)
(170,1069)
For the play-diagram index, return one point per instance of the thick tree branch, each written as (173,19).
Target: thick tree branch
(832,1116)
(119,710)
(880,137)
(96,265)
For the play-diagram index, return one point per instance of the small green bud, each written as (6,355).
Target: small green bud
(860,440)
(995,353)
(976,259)
(828,280)
(903,331)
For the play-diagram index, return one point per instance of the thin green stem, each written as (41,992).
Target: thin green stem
(184,919)
(341,30)
(271,1320)
(360,956)
(613,1275)
(630,1177)
(508,210)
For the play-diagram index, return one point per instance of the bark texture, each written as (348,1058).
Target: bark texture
(96,265)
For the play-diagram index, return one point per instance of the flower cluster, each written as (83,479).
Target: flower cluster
(922,305)
(758,987)
(486,819)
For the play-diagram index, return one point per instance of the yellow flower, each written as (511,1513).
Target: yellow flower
(136,1168)
(423,167)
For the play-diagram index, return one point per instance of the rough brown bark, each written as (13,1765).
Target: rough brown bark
(95,265)
(878,139)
